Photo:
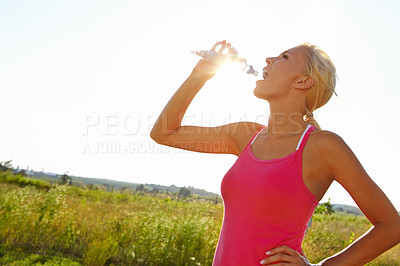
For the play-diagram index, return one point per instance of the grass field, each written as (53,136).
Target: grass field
(42,224)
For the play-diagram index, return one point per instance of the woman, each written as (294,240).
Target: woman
(284,168)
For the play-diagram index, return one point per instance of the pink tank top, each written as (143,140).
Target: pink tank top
(266,204)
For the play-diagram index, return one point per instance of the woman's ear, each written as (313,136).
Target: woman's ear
(304,83)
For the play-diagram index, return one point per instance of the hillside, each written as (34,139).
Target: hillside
(113,184)
(347,209)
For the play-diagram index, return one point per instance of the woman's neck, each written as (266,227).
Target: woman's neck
(284,124)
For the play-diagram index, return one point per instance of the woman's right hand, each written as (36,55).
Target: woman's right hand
(206,69)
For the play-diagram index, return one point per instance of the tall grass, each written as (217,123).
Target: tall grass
(64,225)
(95,227)
(330,234)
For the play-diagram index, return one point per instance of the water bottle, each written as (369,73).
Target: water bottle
(230,57)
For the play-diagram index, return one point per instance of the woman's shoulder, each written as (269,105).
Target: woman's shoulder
(328,148)
(324,140)
(322,133)
(245,129)
(242,132)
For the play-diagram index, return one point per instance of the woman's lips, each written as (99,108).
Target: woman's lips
(265,74)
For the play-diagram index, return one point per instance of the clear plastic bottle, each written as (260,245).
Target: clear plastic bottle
(231,56)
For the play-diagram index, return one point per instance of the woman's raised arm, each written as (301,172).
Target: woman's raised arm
(230,138)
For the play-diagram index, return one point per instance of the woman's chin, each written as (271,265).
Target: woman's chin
(257,93)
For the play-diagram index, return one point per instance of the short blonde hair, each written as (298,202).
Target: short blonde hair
(321,68)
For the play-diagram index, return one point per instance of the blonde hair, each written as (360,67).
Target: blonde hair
(319,67)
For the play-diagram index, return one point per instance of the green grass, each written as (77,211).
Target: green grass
(330,234)
(94,227)
(59,225)
(7,177)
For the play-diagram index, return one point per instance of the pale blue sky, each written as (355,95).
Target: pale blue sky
(113,65)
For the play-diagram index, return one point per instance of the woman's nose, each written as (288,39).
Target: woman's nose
(268,60)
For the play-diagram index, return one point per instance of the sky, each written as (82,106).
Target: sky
(82,82)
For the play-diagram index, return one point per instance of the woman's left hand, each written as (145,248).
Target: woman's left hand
(285,256)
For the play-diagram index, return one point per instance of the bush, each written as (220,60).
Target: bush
(8,177)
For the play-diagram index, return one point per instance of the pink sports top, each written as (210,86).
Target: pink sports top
(266,204)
